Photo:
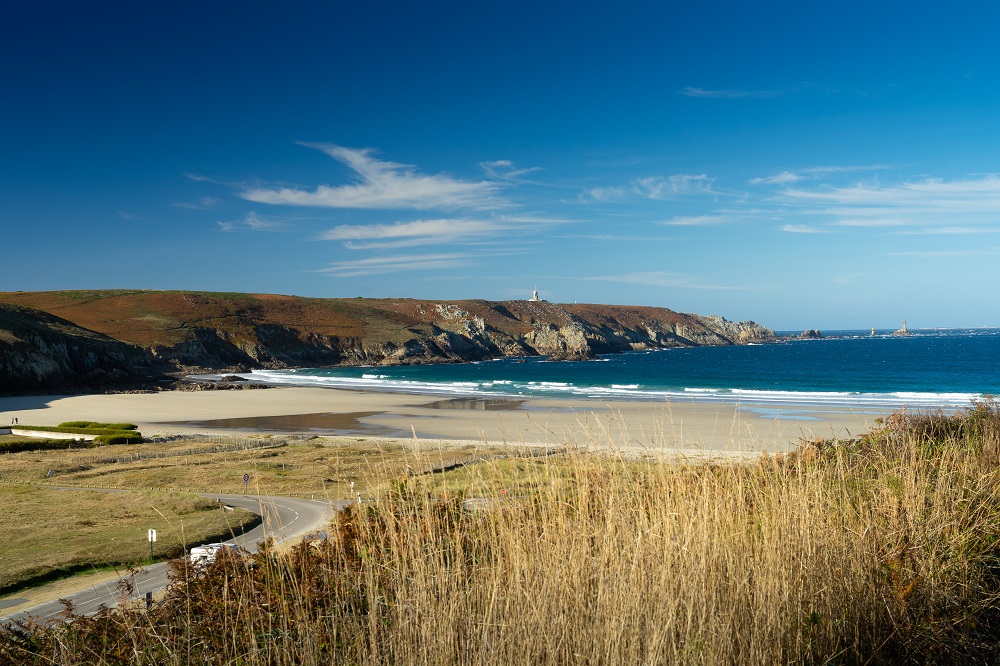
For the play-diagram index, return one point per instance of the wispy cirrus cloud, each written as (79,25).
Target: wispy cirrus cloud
(251,222)
(697,220)
(436,231)
(605,194)
(408,234)
(381,184)
(924,206)
(396,264)
(204,203)
(802,229)
(656,188)
(506,170)
(691,91)
(782,178)
(789,176)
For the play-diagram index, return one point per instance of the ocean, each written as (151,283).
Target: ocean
(945,369)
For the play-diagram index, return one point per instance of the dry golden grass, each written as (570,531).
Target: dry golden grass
(879,550)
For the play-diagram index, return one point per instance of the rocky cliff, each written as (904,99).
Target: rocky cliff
(198,331)
(40,352)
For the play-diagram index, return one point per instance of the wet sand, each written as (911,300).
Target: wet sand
(687,426)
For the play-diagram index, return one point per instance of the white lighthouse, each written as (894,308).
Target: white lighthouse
(534,296)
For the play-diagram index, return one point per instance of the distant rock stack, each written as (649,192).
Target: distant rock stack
(811,334)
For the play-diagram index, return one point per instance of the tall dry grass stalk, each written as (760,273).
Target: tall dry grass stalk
(871,551)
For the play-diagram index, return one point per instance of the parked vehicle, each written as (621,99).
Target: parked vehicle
(205,555)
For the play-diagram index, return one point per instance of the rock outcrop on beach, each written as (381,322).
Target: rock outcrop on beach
(203,331)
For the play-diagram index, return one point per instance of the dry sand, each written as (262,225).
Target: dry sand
(688,426)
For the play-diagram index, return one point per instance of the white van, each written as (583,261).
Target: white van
(203,555)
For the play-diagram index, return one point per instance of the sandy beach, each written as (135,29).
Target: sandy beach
(689,426)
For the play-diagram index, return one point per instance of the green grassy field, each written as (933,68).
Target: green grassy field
(46,532)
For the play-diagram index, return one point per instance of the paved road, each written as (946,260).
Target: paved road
(284,518)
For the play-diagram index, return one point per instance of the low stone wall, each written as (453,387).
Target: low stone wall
(45,434)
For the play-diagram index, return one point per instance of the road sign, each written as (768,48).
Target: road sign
(246,479)
(152,536)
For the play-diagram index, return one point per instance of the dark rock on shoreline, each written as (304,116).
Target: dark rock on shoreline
(217,386)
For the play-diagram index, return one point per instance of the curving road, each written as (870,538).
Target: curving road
(284,518)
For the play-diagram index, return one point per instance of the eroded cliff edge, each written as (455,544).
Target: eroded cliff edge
(135,334)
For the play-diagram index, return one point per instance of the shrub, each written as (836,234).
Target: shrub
(18,445)
(120,438)
(121,426)
(95,424)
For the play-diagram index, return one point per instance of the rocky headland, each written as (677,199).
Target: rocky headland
(91,340)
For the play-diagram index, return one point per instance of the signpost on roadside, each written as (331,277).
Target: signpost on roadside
(152,540)
(246,482)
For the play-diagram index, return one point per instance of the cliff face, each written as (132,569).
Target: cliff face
(132,332)
(40,352)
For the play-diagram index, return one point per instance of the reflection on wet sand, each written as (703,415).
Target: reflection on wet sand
(326,422)
(487,404)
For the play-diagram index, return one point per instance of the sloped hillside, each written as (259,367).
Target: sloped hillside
(214,331)
(41,352)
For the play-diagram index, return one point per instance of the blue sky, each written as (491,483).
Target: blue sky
(804,165)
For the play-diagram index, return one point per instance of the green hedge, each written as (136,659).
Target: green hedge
(77,431)
(95,424)
(17,445)
(120,438)
(106,433)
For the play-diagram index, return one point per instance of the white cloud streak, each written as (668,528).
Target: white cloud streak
(935,203)
(205,203)
(437,231)
(782,178)
(382,185)
(396,264)
(251,222)
(506,171)
(802,229)
(696,220)
(786,177)
(691,91)
(656,188)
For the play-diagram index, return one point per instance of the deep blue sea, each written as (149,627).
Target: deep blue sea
(930,368)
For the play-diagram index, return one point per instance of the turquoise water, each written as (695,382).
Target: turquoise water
(931,368)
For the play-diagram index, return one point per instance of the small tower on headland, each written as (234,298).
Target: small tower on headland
(902,331)
(534,296)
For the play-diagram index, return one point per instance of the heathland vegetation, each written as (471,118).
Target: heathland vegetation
(880,549)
